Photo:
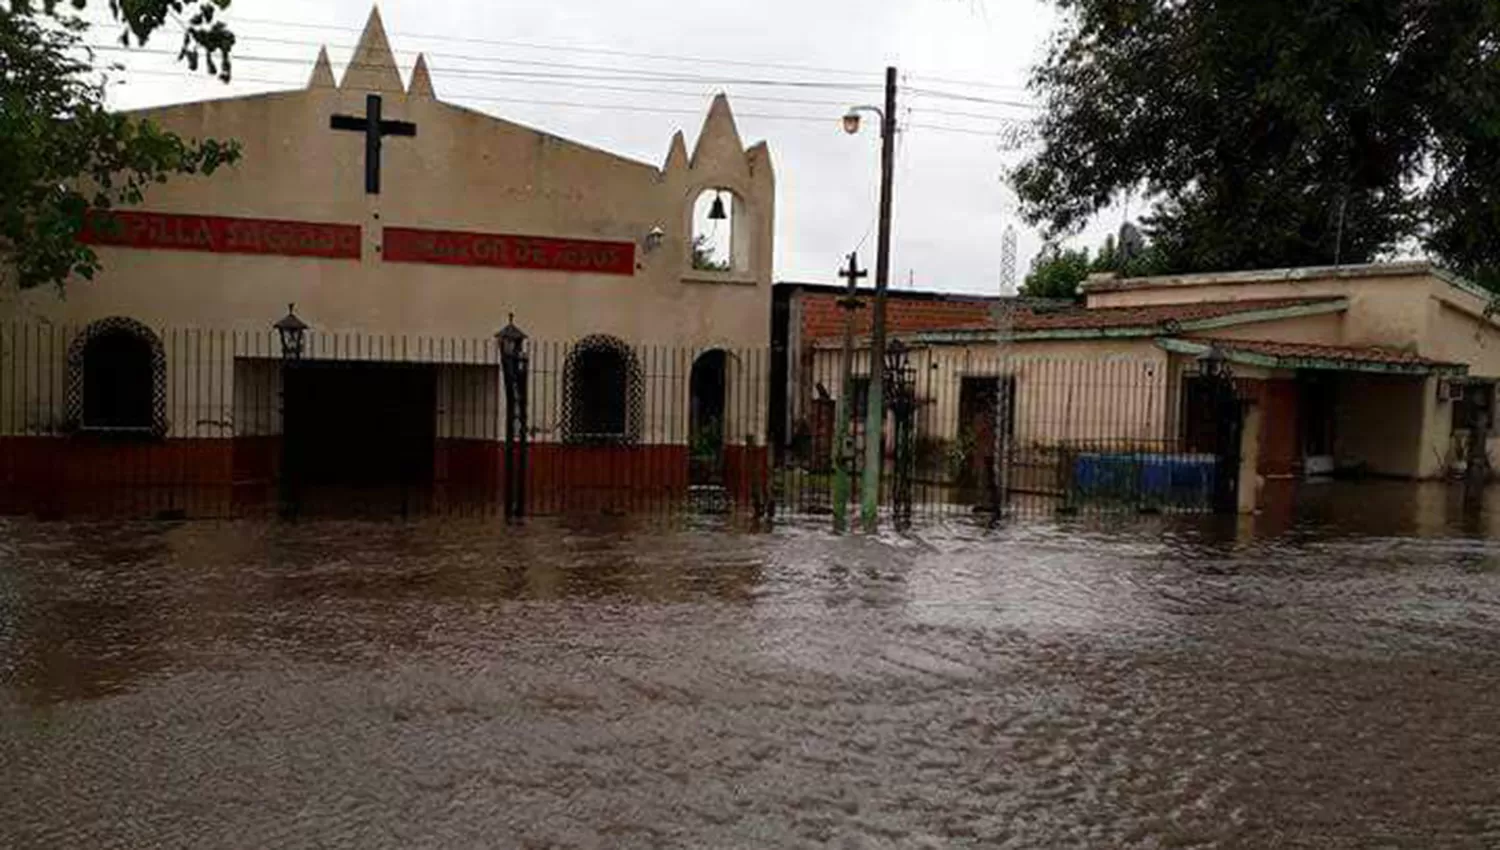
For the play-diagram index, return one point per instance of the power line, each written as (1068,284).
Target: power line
(613,107)
(571,66)
(567,66)
(971,98)
(673,93)
(661,57)
(572,81)
(631,76)
(602,51)
(978,84)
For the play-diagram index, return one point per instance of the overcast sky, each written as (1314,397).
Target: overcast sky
(951,203)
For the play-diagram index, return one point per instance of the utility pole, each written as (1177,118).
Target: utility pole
(875,410)
(843,444)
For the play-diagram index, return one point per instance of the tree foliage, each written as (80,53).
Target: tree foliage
(62,152)
(1278,132)
(705,256)
(1057,272)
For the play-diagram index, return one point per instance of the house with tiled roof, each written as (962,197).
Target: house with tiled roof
(1379,369)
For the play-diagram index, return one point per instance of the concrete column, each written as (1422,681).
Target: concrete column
(1250,480)
(1435,434)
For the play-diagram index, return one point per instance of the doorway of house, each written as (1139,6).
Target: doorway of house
(978,403)
(706,410)
(359,436)
(1316,406)
(1212,419)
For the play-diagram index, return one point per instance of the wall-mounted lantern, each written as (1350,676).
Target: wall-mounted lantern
(654,237)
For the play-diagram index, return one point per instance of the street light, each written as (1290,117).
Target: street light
(869,507)
(293,333)
(851,118)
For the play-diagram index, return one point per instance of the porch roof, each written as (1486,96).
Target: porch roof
(1299,355)
(1144,321)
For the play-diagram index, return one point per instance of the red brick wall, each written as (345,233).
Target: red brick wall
(823,319)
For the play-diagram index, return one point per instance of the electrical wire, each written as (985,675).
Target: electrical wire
(580,82)
(970,98)
(945,80)
(602,51)
(293,85)
(484,74)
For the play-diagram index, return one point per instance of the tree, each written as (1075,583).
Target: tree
(705,257)
(1058,272)
(1276,133)
(61,152)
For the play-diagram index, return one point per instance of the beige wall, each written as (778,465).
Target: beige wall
(1389,311)
(1399,306)
(1379,422)
(463,171)
(1458,336)
(1066,391)
(1321,329)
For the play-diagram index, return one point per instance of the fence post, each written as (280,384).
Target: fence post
(514,366)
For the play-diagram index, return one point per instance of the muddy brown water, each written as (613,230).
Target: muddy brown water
(1328,681)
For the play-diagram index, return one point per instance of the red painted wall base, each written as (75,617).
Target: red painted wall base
(86,476)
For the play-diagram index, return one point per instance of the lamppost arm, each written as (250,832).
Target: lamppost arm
(851,118)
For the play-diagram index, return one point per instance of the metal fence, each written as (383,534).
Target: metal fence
(995,435)
(116,419)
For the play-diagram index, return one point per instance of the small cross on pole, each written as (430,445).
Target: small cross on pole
(374,129)
(843,442)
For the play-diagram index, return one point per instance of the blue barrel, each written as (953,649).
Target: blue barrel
(1145,478)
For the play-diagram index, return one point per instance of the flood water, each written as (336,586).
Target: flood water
(1324,680)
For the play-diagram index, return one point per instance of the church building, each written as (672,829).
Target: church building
(405,232)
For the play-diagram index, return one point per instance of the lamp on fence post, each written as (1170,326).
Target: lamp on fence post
(896,356)
(514,365)
(901,396)
(292,332)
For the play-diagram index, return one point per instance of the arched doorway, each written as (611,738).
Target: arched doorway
(706,410)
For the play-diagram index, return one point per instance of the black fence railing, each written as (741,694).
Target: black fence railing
(994,433)
(117,419)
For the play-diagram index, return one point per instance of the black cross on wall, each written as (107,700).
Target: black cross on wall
(374,129)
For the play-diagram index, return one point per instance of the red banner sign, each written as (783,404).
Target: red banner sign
(410,245)
(221,235)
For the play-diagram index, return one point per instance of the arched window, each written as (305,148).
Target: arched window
(719,241)
(117,378)
(602,401)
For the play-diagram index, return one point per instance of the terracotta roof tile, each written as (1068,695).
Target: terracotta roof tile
(1310,351)
(1081,318)
(823,320)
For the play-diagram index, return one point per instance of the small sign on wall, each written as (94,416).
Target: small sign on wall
(541,253)
(221,234)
